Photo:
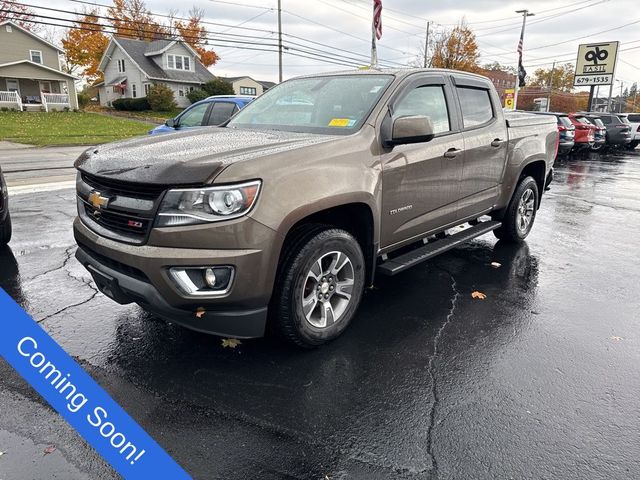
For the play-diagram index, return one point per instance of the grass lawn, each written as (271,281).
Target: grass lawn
(156,116)
(67,128)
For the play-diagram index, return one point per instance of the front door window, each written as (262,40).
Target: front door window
(45,87)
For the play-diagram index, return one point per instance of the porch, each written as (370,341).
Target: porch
(36,95)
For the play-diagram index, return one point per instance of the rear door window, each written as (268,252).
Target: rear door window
(634,118)
(221,112)
(476,106)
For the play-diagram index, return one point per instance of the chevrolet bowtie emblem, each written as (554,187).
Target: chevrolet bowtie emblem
(98,201)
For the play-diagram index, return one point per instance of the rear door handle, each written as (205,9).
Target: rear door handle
(452,152)
(497,143)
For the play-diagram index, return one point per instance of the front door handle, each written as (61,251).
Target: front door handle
(451,153)
(497,143)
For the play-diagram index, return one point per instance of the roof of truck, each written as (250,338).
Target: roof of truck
(399,72)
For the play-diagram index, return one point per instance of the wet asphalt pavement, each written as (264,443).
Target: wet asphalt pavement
(539,380)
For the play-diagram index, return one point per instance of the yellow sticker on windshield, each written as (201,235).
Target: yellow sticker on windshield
(339,122)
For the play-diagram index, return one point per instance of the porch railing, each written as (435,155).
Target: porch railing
(11,97)
(54,99)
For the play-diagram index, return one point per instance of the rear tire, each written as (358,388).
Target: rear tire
(633,145)
(521,212)
(5,231)
(319,286)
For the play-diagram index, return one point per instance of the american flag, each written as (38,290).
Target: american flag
(377,18)
(522,73)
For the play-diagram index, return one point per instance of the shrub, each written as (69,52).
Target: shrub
(83,99)
(218,86)
(4,109)
(161,98)
(197,95)
(131,104)
(66,109)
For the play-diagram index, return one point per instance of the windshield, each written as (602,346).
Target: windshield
(330,105)
(583,120)
(564,121)
(598,122)
(624,119)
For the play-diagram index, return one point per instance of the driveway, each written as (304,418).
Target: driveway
(541,380)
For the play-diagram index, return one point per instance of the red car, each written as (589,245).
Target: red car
(585,132)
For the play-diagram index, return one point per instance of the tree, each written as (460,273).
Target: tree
(497,66)
(218,86)
(197,95)
(562,77)
(456,49)
(132,19)
(195,35)
(84,44)
(20,14)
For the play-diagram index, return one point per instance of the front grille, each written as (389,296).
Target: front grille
(124,189)
(127,270)
(128,216)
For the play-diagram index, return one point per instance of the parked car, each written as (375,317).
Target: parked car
(634,123)
(600,133)
(618,129)
(5,218)
(292,210)
(566,131)
(211,111)
(585,132)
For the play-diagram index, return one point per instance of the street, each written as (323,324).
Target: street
(539,380)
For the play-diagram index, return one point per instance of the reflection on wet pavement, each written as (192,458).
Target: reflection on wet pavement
(427,382)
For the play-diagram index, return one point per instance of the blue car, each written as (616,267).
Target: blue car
(211,111)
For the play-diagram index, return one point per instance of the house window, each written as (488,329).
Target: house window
(121,66)
(134,90)
(178,62)
(147,88)
(191,88)
(45,87)
(181,91)
(9,29)
(247,90)
(36,56)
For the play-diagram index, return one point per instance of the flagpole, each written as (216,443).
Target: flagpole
(525,14)
(374,51)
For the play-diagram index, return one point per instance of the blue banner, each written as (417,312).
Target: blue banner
(79,399)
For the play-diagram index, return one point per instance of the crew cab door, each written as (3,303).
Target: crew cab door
(485,144)
(420,181)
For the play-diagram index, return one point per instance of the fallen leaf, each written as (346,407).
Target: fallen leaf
(200,312)
(616,339)
(478,295)
(49,449)
(496,264)
(230,342)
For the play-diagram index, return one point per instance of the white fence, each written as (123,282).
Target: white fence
(11,97)
(54,100)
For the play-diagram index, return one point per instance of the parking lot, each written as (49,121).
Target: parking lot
(539,380)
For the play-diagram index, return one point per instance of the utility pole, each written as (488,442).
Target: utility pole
(553,69)
(426,45)
(525,13)
(279,41)
(621,100)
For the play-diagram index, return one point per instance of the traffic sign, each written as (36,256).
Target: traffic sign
(596,64)
(509,93)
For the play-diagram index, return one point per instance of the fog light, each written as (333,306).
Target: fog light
(199,281)
(210,277)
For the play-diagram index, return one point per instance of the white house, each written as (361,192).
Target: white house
(248,86)
(130,67)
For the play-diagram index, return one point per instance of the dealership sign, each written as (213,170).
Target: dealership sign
(596,64)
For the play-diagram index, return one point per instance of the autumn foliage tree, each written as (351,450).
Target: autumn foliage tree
(132,19)
(18,13)
(84,44)
(559,78)
(456,49)
(195,35)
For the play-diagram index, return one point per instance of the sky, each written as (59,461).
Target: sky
(554,33)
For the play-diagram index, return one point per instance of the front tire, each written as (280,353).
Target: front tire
(319,286)
(521,212)
(5,231)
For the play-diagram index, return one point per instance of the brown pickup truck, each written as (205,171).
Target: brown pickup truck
(283,215)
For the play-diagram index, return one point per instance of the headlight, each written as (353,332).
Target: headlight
(191,206)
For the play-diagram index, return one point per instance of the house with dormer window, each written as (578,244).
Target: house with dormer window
(31,76)
(131,67)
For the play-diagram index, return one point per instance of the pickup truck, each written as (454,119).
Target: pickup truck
(282,216)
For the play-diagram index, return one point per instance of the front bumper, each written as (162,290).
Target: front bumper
(140,274)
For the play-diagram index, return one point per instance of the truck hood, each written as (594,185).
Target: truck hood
(188,158)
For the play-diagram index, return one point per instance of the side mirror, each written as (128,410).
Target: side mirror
(171,122)
(411,129)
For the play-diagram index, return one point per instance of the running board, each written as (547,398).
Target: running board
(401,263)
